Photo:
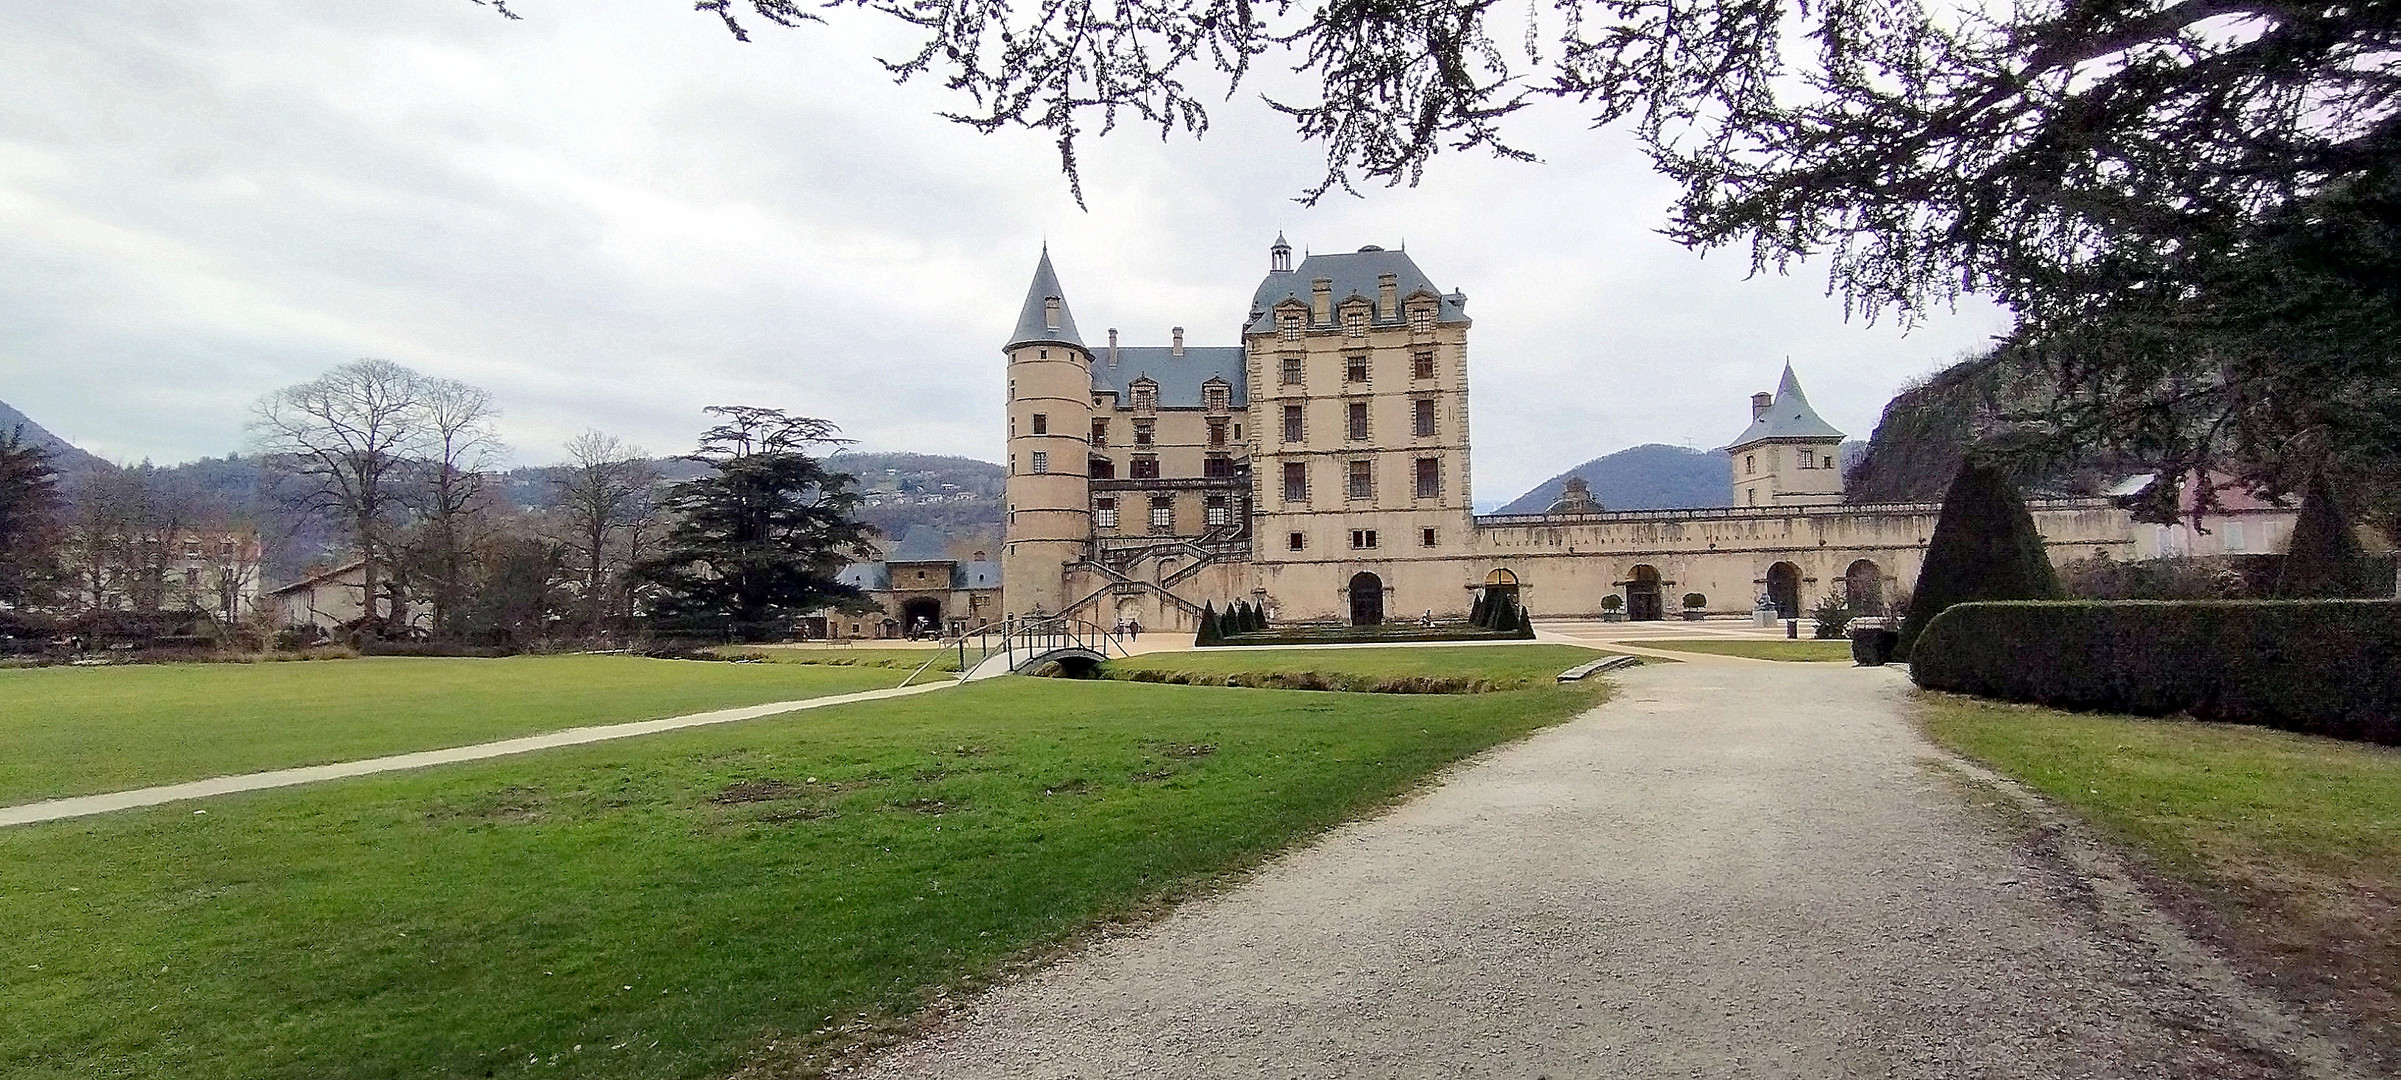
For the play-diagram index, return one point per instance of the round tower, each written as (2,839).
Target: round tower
(1049,512)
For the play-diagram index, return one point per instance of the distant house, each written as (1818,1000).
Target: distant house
(2240,524)
(331,600)
(211,572)
(916,597)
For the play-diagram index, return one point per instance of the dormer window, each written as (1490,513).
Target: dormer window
(1146,396)
(1219,396)
(1354,322)
(1050,313)
(1421,317)
(1288,322)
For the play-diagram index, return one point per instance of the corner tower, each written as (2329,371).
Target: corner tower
(1049,522)
(1788,456)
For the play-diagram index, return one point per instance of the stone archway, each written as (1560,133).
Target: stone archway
(1643,603)
(922,615)
(1367,600)
(1863,587)
(1784,590)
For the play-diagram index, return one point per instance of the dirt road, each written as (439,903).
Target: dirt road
(1736,869)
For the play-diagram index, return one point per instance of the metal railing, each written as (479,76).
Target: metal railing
(1021,638)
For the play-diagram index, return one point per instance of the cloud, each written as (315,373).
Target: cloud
(611,214)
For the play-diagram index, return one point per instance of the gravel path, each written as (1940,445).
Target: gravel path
(1734,870)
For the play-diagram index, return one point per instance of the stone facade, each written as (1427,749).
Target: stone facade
(1322,469)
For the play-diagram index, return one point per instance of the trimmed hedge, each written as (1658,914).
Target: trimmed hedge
(2327,667)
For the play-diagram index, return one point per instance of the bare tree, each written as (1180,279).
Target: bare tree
(347,435)
(457,449)
(605,499)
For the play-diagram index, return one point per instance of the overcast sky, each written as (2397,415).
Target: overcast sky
(612,214)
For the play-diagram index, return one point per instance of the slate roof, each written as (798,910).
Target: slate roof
(1030,327)
(877,576)
(1179,377)
(1790,417)
(1358,272)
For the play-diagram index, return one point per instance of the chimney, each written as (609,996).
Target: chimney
(1112,346)
(1760,404)
(1388,297)
(1178,337)
(1321,301)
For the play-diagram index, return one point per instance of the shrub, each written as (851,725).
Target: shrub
(1984,548)
(1695,600)
(2329,667)
(1612,602)
(1833,617)
(2323,559)
(1208,634)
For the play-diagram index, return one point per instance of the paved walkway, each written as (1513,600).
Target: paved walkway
(1734,870)
(83,805)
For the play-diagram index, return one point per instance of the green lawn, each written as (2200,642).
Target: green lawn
(669,906)
(1809,650)
(2294,839)
(903,659)
(76,731)
(1446,669)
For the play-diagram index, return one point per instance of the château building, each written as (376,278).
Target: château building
(1321,468)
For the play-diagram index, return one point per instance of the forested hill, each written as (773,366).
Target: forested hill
(66,456)
(1649,477)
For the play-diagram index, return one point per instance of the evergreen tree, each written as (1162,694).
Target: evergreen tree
(1208,625)
(31,523)
(758,540)
(2323,559)
(1984,548)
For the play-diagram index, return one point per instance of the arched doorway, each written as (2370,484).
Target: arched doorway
(1784,590)
(1642,594)
(1367,600)
(1863,585)
(921,616)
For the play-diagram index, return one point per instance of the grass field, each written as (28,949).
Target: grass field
(901,659)
(1809,651)
(75,731)
(681,904)
(1445,669)
(2293,840)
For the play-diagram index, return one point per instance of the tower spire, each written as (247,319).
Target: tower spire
(1045,318)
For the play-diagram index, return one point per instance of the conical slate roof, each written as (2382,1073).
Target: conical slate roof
(1031,326)
(1789,418)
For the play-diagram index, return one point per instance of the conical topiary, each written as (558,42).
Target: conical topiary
(1525,622)
(1208,626)
(1984,547)
(2323,560)
(1481,613)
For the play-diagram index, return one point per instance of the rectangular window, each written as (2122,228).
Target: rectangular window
(1102,469)
(1429,478)
(1217,467)
(1219,398)
(1354,369)
(1146,398)
(1162,513)
(1358,418)
(1363,539)
(1425,538)
(1213,510)
(1143,430)
(1104,513)
(1293,428)
(1421,364)
(1100,431)
(1288,324)
(1041,423)
(1421,317)
(1750,464)
(1296,482)
(1363,480)
(1295,541)
(1808,461)
(1354,322)
(2234,536)
(1041,461)
(1422,416)
(1146,466)
(1217,431)
(1292,371)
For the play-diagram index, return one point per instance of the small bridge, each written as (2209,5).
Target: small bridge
(1022,643)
